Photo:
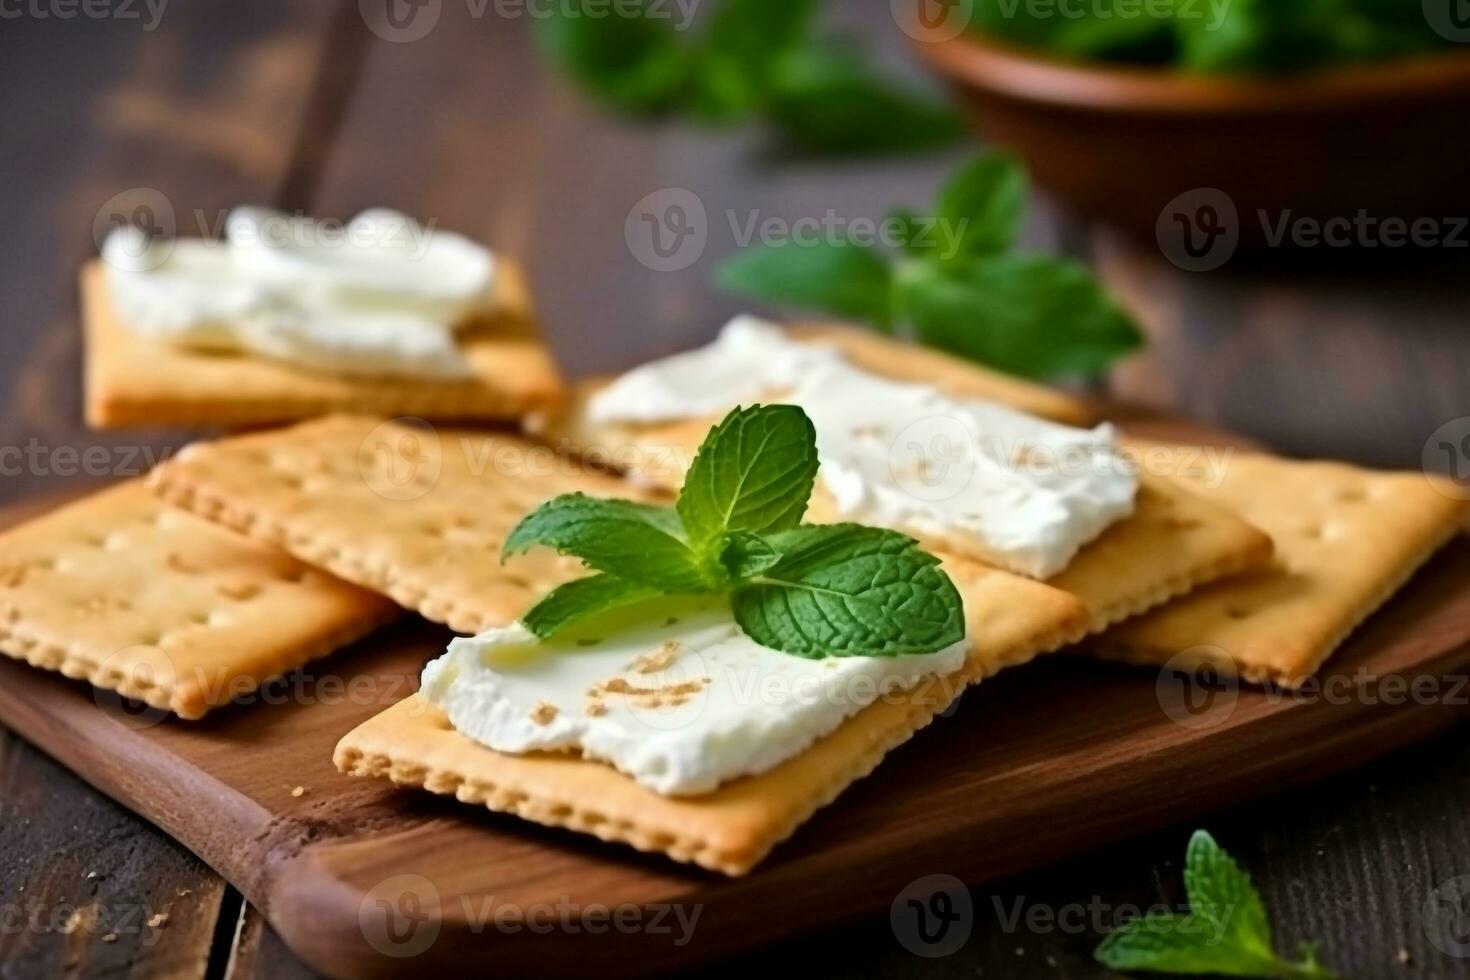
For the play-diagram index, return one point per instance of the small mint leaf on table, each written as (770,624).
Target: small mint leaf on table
(850,590)
(1225,933)
(631,541)
(583,599)
(753,472)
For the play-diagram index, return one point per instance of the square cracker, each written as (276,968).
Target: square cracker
(133,381)
(152,602)
(1011,620)
(1174,542)
(1346,540)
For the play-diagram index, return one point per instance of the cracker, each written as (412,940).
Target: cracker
(1346,540)
(133,381)
(1011,620)
(418,514)
(1173,543)
(158,605)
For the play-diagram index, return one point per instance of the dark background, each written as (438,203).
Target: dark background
(298,105)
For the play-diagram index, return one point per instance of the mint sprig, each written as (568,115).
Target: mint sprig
(808,590)
(956,282)
(1226,931)
(756,59)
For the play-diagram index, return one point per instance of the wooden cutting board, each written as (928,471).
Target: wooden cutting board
(1039,763)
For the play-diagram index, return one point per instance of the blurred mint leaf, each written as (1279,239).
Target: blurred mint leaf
(850,590)
(982,204)
(632,62)
(840,278)
(825,100)
(582,599)
(1029,315)
(1225,933)
(745,40)
(954,282)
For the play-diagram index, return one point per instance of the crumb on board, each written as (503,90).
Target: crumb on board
(656,660)
(596,708)
(298,791)
(543,712)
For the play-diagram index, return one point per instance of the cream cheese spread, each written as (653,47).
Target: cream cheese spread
(673,693)
(985,479)
(381,296)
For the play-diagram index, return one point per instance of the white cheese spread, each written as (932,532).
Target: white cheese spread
(1013,489)
(381,296)
(673,693)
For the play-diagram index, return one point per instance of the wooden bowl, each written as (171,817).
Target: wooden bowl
(1122,143)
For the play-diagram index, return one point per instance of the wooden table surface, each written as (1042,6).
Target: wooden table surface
(298,104)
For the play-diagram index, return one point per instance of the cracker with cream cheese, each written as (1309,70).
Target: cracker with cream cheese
(1346,539)
(135,381)
(421,515)
(161,606)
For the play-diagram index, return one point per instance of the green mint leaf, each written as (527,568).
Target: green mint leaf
(981,204)
(1226,932)
(744,555)
(632,541)
(632,62)
(744,41)
(838,278)
(1220,891)
(823,100)
(849,590)
(754,472)
(583,599)
(1028,315)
